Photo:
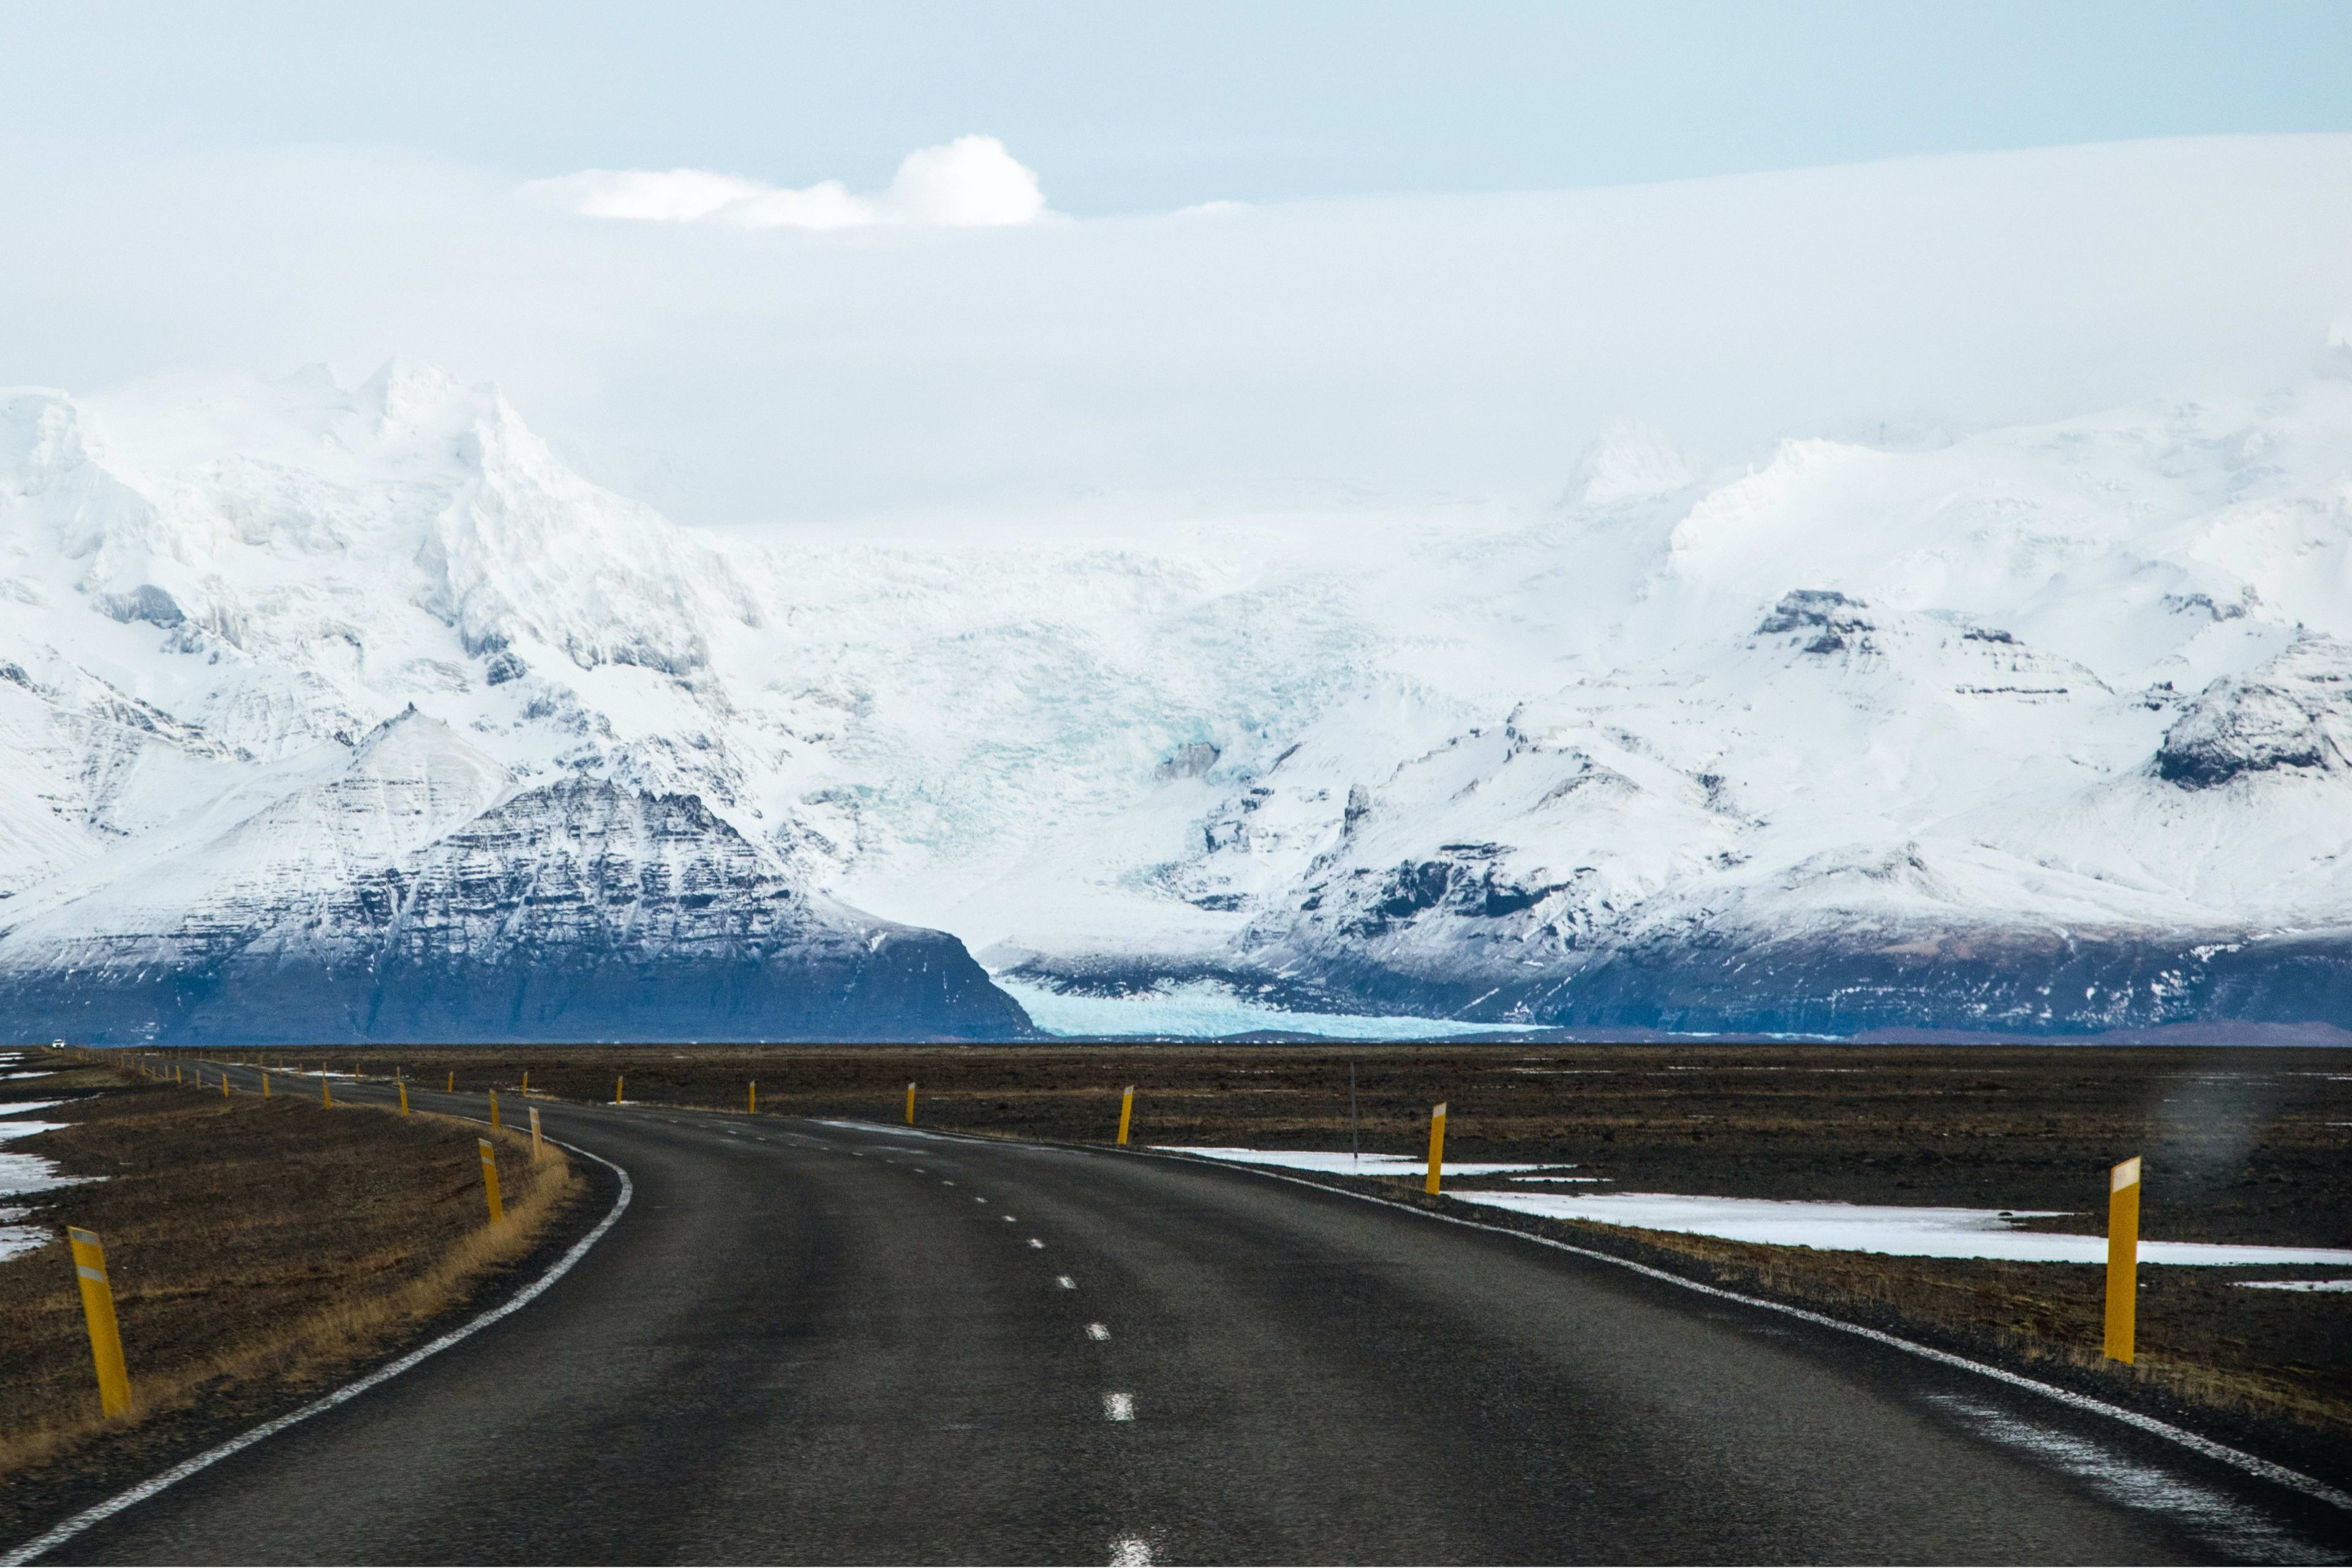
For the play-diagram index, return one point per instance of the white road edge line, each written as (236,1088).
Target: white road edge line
(2294,1480)
(180,1472)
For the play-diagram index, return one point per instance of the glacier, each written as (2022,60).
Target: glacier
(353,713)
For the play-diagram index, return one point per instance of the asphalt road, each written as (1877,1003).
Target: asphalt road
(816,1342)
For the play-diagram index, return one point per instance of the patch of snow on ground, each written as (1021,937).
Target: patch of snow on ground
(9,1129)
(24,1107)
(16,1238)
(2294,1284)
(1205,1008)
(31,1173)
(1897,1231)
(1346,1164)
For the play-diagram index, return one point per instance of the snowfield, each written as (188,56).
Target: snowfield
(333,711)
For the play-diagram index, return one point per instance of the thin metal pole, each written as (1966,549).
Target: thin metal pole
(1355,1152)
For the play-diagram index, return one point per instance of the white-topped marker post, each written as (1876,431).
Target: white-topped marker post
(2123,1258)
(98,1308)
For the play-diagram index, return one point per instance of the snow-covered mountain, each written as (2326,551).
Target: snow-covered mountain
(354,711)
(229,814)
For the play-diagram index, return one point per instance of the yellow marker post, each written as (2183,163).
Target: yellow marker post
(910,1105)
(2123,1258)
(753,1107)
(223,1083)
(490,1179)
(265,1083)
(176,1075)
(526,1081)
(494,1108)
(618,1084)
(97,1307)
(1436,1146)
(453,1082)
(1126,1113)
(326,1089)
(403,1099)
(536,1148)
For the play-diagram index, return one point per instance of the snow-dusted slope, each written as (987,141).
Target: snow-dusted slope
(226,813)
(2041,728)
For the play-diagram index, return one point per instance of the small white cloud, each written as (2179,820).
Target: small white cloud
(971,183)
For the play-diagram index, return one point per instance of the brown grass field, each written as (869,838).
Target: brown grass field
(259,1252)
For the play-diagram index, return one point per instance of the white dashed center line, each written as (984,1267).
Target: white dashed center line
(1011,1218)
(1097,1331)
(1066,1282)
(1037,1244)
(1119,1406)
(975,1200)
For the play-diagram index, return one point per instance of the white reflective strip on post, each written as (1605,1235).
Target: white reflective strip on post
(2123,1176)
(87,1272)
(86,1237)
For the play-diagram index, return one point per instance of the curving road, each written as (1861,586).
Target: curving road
(818,1343)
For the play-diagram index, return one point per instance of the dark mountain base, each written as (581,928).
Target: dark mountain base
(2032,987)
(913,985)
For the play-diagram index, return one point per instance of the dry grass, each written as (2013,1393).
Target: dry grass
(258,1251)
(2242,1144)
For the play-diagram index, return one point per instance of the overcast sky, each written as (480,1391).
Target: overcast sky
(816,264)
(1140,108)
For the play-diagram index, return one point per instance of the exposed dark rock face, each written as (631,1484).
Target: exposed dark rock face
(1835,621)
(2294,712)
(146,603)
(1462,881)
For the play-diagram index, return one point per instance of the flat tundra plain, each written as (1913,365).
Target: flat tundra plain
(2245,1145)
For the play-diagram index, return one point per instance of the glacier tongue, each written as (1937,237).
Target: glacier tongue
(332,713)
